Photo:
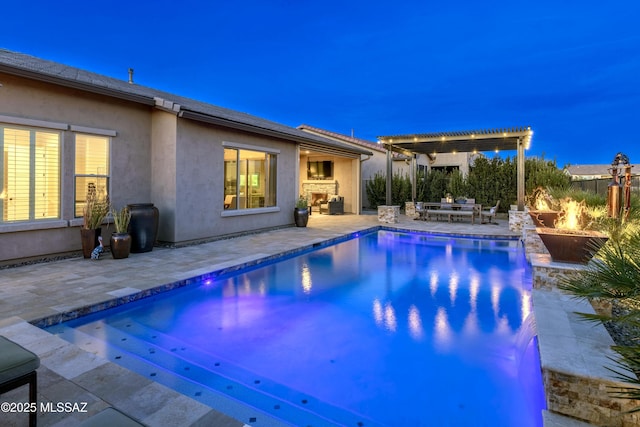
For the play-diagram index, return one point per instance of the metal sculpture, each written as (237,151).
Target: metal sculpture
(614,195)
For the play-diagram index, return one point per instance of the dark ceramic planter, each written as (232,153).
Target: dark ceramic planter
(120,245)
(143,226)
(576,247)
(89,240)
(301,216)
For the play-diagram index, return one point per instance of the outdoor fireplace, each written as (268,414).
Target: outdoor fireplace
(318,198)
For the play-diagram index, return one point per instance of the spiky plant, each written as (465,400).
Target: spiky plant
(121,219)
(94,211)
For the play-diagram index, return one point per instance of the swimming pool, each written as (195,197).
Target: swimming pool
(387,329)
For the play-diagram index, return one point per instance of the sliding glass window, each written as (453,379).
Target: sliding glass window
(29,174)
(249,179)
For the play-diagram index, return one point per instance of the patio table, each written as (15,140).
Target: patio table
(449,210)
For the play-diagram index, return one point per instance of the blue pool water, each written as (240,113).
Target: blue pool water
(387,329)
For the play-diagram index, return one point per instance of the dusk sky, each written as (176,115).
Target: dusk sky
(569,69)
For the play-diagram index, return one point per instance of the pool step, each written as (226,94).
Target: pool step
(203,376)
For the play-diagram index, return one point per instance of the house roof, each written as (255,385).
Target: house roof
(588,170)
(594,171)
(23,65)
(473,141)
(351,140)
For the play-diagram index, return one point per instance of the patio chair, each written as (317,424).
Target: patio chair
(489,213)
(17,368)
(334,206)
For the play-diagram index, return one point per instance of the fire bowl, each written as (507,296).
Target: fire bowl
(574,246)
(544,218)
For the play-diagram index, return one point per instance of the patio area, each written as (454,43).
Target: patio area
(41,294)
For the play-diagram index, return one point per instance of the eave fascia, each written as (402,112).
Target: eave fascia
(75,84)
(218,121)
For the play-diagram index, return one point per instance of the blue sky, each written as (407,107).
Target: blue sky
(569,69)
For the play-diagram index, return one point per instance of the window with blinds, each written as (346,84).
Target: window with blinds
(29,174)
(91,168)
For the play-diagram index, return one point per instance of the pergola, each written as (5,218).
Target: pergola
(474,141)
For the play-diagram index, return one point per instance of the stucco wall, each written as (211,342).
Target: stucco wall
(164,174)
(450,159)
(199,210)
(130,168)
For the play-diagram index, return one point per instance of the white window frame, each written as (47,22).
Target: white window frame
(91,132)
(33,127)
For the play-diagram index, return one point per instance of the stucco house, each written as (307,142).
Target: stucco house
(211,171)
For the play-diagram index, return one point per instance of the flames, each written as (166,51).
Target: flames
(542,205)
(573,215)
(541,200)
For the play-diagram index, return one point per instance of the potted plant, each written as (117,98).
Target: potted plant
(94,211)
(120,238)
(301,212)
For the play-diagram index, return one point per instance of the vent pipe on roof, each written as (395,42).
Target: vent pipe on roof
(131,75)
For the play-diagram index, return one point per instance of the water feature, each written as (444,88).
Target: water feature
(388,329)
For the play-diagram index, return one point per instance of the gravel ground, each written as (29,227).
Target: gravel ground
(623,334)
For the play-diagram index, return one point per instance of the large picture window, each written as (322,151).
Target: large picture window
(91,168)
(29,174)
(249,179)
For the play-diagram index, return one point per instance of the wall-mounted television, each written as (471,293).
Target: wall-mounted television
(320,170)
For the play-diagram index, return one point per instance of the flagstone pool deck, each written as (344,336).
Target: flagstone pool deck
(44,293)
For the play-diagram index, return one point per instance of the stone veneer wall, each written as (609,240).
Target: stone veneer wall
(319,186)
(588,399)
(410,210)
(547,273)
(519,219)
(574,353)
(389,214)
(533,244)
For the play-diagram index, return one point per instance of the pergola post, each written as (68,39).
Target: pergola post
(389,172)
(520,182)
(414,178)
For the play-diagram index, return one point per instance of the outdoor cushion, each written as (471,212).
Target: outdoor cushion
(110,417)
(16,360)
